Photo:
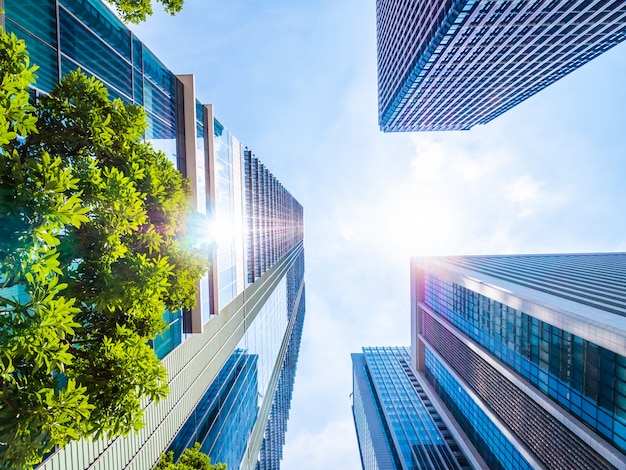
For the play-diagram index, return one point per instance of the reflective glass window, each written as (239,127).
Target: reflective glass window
(137,87)
(159,103)
(92,54)
(35,16)
(68,65)
(102,22)
(157,72)
(137,52)
(228,215)
(166,342)
(40,54)
(558,363)
(162,137)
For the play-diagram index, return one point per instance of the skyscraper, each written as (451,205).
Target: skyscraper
(449,65)
(528,353)
(230,360)
(276,427)
(397,424)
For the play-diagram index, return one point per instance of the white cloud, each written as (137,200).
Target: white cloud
(527,194)
(333,447)
(428,165)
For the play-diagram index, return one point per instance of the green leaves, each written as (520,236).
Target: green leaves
(191,459)
(138,375)
(136,11)
(15,117)
(92,252)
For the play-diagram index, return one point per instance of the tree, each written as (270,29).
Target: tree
(136,11)
(191,459)
(95,244)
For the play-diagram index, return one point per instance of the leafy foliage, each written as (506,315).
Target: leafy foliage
(136,11)
(93,249)
(191,459)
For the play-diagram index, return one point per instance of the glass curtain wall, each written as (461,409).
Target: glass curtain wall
(498,452)
(228,216)
(397,425)
(85,34)
(224,419)
(587,380)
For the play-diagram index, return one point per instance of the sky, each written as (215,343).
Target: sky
(296,83)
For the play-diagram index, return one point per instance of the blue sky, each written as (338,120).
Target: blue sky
(296,83)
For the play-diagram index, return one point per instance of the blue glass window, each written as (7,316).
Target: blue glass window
(166,342)
(563,366)
(102,22)
(35,16)
(157,72)
(496,449)
(41,54)
(92,54)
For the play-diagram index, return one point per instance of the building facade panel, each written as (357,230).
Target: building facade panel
(398,427)
(584,378)
(493,325)
(271,452)
(454,64)
(497,449)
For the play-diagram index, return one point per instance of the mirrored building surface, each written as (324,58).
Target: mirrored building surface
(449,65)
(227,359)
(528,354)
(397,424)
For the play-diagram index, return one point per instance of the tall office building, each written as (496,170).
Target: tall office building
(276,427)
(528,353)
(397,424)
(449,65)
(231,360)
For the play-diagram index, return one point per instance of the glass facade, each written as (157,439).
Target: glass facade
(528,423)
(35,22)
(224,419)
(228,217)
(449,65)
(496,449)
(274,437)
(415,433)
(257,221)
(373,435)
(534,342)
(274,219)
(587,380)
(87,35)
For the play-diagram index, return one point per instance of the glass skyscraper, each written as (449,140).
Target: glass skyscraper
(452,64)
(396,421)
(231,360)
(528,354)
